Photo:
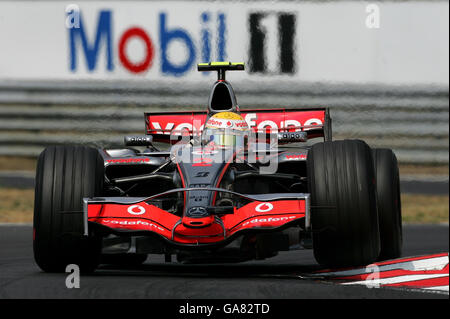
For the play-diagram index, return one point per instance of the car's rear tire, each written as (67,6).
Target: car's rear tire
(344,219)
(389,203)
(64,175)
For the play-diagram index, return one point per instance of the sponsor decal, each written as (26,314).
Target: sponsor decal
(275,125)
(204,161)
(102,39)
(268,220)
(213,122)
(251,120)
(264,207)
(136,210)
(132,223)
(272,30)
(167,35)
(201,174)
(197,212)
(296,156)
(128,160)
(241,124)
(227,120)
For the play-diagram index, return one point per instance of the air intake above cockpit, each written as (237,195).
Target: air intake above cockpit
(222,97)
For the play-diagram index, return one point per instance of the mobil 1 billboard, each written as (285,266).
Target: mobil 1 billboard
(279,41)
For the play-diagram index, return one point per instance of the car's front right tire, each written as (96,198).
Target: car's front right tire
(64,176)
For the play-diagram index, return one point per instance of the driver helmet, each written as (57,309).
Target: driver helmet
(226,130)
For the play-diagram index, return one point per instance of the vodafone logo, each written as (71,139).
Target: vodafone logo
(214,122)
(251,121)
(132,223)
(128,160)
(264,207)
(258,122)
(136,210)
(241,124)
(269,220)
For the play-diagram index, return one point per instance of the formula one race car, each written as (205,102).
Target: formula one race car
(234,185)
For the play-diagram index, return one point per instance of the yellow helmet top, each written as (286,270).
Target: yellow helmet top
(227,120)
(226,129)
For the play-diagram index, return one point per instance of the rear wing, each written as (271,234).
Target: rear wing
(316,122)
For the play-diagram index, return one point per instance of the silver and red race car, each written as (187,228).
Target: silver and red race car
(233,185)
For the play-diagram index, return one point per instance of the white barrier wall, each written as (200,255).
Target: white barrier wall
(282,41)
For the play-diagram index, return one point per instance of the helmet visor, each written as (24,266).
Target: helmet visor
(225,138)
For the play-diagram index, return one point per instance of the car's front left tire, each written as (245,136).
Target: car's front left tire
(389,203)
(341,180)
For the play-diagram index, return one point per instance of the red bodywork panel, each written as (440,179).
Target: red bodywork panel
(146,217)
(161,125)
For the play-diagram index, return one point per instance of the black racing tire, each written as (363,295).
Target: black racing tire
(389,203)
(341,181)
(64,175)
(123,259)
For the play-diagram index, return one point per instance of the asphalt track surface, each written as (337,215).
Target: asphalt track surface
(276,278)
